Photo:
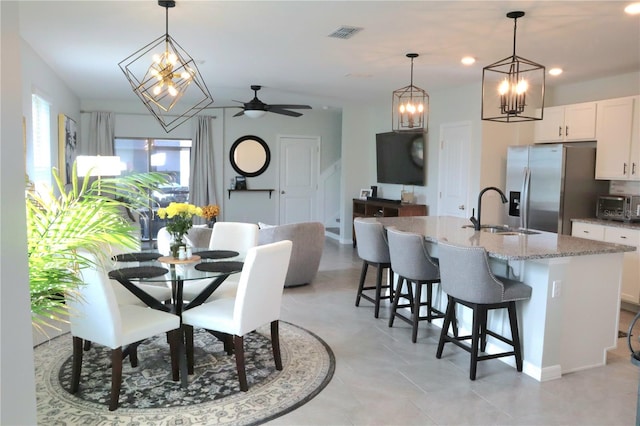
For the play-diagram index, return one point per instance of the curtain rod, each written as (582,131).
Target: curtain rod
(138,113)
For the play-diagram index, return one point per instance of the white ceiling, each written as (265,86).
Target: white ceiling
(285,47)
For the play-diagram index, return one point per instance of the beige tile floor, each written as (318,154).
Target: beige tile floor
(381,378)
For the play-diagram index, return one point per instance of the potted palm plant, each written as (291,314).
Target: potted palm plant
(64,220)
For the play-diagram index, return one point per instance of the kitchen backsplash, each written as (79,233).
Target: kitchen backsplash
(624,187)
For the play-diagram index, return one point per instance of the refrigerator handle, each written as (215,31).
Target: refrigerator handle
(524,199)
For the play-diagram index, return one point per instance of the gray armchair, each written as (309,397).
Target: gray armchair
(308,243)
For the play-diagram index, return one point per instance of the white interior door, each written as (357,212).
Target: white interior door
(454,163)
(299,157)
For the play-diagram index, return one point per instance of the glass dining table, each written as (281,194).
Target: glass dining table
(151,268)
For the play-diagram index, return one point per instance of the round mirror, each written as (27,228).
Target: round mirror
(250,156)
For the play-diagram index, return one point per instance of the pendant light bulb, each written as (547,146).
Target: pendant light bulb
(522,87)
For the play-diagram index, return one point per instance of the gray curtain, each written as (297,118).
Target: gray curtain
(101,133)
(202,182)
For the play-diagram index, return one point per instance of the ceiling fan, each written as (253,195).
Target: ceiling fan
(256,108)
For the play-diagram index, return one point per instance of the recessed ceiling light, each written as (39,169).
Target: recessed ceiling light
(468,60)
(555,71)
(632,9)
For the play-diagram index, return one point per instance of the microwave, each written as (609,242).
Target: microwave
(619,207)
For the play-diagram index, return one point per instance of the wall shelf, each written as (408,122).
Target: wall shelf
(250,190)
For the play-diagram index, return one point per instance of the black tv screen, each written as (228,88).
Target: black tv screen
(400,158)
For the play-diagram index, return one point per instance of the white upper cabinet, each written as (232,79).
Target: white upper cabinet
(576,122)
(618,136)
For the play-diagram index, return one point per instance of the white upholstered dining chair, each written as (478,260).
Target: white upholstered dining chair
(256,303)
(233,236)
(96,316)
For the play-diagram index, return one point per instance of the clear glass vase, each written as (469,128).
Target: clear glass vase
(176,244)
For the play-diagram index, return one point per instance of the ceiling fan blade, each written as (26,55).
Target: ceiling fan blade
(290,106)
(284,112)
(239,114)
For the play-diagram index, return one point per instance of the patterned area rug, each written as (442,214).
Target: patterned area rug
(150,397)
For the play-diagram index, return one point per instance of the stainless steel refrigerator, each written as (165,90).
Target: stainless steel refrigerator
(548,185)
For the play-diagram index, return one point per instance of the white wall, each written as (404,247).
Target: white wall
(616,86)
(39,78)
(488,149)
(133,120)
(17,387)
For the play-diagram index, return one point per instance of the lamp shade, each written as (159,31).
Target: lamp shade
(254,113)
(98,165)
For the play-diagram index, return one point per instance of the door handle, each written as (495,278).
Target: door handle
(559,131)
(282,192)
(566,132)
(633,168)
(461,207)
(624,169)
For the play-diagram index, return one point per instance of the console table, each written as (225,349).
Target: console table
(378,208)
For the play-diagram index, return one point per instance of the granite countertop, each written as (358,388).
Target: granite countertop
(507,247)
(613,223)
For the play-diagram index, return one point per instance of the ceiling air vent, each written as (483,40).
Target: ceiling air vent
(345,32)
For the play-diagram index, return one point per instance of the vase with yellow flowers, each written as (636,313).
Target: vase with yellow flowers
(179,220)
(210,213)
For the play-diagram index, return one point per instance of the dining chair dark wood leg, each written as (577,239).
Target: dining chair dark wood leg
(174,337)
(238,346)
(116,377)
(275,344)
(132,351)
(77,364)
(188,339)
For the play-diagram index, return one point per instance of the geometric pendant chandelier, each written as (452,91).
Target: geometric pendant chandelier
(166,79)
(513,88)
(410,107)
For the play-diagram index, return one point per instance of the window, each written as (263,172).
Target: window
(170,156)
(41,145)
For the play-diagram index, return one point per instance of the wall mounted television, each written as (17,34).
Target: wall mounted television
(400,158)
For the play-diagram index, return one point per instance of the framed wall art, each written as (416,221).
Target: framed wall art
(67,144)
(364,193)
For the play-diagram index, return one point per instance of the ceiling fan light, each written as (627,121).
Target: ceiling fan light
(254,113)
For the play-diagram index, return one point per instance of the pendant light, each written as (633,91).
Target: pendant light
(513,88)
(410,111)
(166,79)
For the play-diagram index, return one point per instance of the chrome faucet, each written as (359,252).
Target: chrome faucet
(476,222)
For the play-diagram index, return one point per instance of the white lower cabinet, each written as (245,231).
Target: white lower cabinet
(588,231)
(630,291)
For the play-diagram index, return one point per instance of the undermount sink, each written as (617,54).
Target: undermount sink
(503,230)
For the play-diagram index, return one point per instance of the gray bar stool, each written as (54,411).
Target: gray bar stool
(467,280)
(374,251)
(413,264)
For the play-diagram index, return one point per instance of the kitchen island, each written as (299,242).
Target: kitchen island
(572,317)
